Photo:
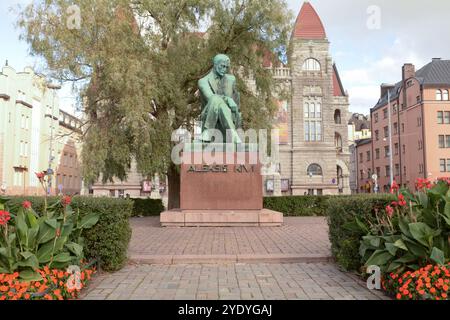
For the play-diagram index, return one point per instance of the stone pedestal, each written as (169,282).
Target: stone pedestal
(225,190)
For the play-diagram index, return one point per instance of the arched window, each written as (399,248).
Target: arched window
(438,95)
(311,65)
(337,116)
(445,95)
(338,141)
(314,170)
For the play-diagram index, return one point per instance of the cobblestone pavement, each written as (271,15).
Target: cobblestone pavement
(299,281)
(299,237)
(205,263)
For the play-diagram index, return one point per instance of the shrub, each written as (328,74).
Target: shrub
(300,206)
(108,240)
(147,207)
(344,237)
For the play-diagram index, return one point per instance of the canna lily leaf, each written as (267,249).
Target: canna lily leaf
(437,256)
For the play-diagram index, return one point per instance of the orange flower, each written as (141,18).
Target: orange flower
(422,292)
(27,296)
(444,295)
(60,274)
(433,290)
(37,284)
(399,296)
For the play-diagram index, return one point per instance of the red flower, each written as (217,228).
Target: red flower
(66,200)
(401,200)
(394,187)
(5,216)
(389,211)
(58,232)
(40,175)
(26,204)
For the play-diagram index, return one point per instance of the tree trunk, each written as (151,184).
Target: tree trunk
(173,176)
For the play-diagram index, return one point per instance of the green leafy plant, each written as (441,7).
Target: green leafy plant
(33,241)
(410,233)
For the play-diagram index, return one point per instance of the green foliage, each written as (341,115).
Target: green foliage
(344,231)
(108,239)
(298,206)
(138,76)
(51,239)
(415,236)
(147,207)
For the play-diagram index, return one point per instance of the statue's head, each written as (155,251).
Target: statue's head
(221,64)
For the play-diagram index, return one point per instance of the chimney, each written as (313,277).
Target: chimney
(409,71)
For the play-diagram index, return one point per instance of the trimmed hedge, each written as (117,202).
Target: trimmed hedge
(342,210)
(147,207)
(108,240)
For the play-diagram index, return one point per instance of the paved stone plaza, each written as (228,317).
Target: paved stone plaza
(291,262)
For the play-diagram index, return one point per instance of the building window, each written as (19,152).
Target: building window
(448,165)
(445,95)
(385,113)
(439,95)
(442,165)
(394,108)
(369,174)
(112,193)
(338,142)
(313,121)
(418,99)
(311,64)
(395,128)
(447,141)
(440,116)
(420,143)
(447,117)
(361,158)
(404,171)
(375,117)
(396,148)
(377,135)
(386,152)
(404,149)
(378,171)
(361,173)
(442,141)
(403,127)
(421,169)
(337,116)
(368,155)
(386,132)
(314,170)
(419,122)
(388,170)
(377,153)
(397,170)
(320,192)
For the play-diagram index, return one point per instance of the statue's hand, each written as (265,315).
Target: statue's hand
(233,106)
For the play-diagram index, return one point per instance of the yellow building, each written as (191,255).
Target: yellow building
(35,135)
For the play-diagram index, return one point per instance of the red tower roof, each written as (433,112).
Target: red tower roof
(308,24)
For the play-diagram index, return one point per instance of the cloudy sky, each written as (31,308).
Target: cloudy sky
(367,50)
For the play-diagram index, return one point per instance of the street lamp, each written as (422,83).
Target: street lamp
(52,87)
(388,87)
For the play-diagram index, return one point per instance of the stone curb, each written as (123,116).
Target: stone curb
(232,258)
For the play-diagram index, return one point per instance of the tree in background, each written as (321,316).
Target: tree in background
(136,65)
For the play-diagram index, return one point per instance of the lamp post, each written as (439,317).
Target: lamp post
(52,87)
(391,160)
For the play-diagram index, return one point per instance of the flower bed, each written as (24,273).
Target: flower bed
(409,241)
(41,255)
(56,284)
(429,283)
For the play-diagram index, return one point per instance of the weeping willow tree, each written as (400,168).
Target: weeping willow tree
(136,65)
